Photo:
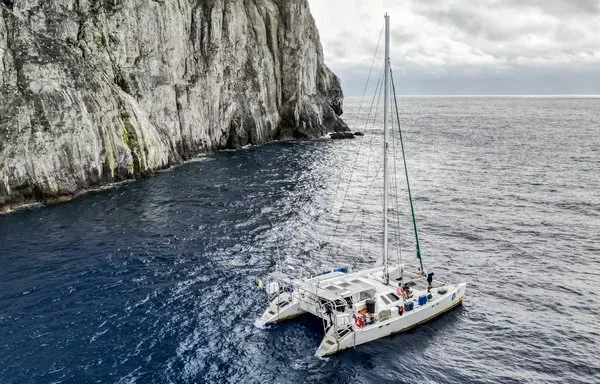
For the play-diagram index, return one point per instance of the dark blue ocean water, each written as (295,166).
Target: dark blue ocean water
(154,281)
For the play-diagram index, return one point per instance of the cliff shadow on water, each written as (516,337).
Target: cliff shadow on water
(94,92)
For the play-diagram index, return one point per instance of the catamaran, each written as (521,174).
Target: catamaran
(362,306)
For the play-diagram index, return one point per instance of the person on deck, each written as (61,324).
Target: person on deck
(407,292)
(429,281)
(400,290)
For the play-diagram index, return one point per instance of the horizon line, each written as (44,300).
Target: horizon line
(547,95)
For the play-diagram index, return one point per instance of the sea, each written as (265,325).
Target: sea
(155,281)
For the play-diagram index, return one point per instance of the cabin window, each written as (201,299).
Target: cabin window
(335,289)
(392,297)
(340,305)
(385,300)
(348,301)
(365,295)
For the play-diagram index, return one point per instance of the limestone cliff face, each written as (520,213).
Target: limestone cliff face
(97,91)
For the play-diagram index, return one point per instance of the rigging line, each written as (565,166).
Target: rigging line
(412,209)
(368,81)
(358,114)
(276,243)
(380,89)
(361,205)
(377,93)
(362,138)
(396,198)
(370,155)
(370,158)
(369,77)
(362,218)
(337,223)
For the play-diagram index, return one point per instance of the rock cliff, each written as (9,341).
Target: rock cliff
(99,91)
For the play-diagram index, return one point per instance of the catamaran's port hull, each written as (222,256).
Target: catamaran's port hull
(329,346)
(279,319)
(275,314)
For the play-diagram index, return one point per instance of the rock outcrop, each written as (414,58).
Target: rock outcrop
(99,91)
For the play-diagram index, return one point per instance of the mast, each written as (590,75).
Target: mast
(386,102)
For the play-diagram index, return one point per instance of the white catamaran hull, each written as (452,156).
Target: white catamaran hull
(291,299)
(408,320)
(284,307)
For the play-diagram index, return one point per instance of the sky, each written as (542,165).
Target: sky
(440,47)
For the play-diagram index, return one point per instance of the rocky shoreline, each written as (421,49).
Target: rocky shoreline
(52,200)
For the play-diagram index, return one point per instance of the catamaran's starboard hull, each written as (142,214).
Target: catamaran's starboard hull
(395,325)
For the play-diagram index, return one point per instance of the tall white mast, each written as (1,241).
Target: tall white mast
(386,91)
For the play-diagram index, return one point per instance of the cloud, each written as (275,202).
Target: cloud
(491,41)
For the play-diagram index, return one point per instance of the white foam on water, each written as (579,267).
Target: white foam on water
(97,335)
(258,325)
(322,358)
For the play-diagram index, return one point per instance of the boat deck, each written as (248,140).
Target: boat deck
(358,307)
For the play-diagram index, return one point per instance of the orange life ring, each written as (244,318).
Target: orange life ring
(360,322)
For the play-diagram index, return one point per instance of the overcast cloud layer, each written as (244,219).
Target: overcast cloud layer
(467,47)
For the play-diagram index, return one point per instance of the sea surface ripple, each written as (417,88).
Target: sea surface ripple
(155,281)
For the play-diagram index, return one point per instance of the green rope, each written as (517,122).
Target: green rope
(412,209)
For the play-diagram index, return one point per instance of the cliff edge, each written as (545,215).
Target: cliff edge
(99,91)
